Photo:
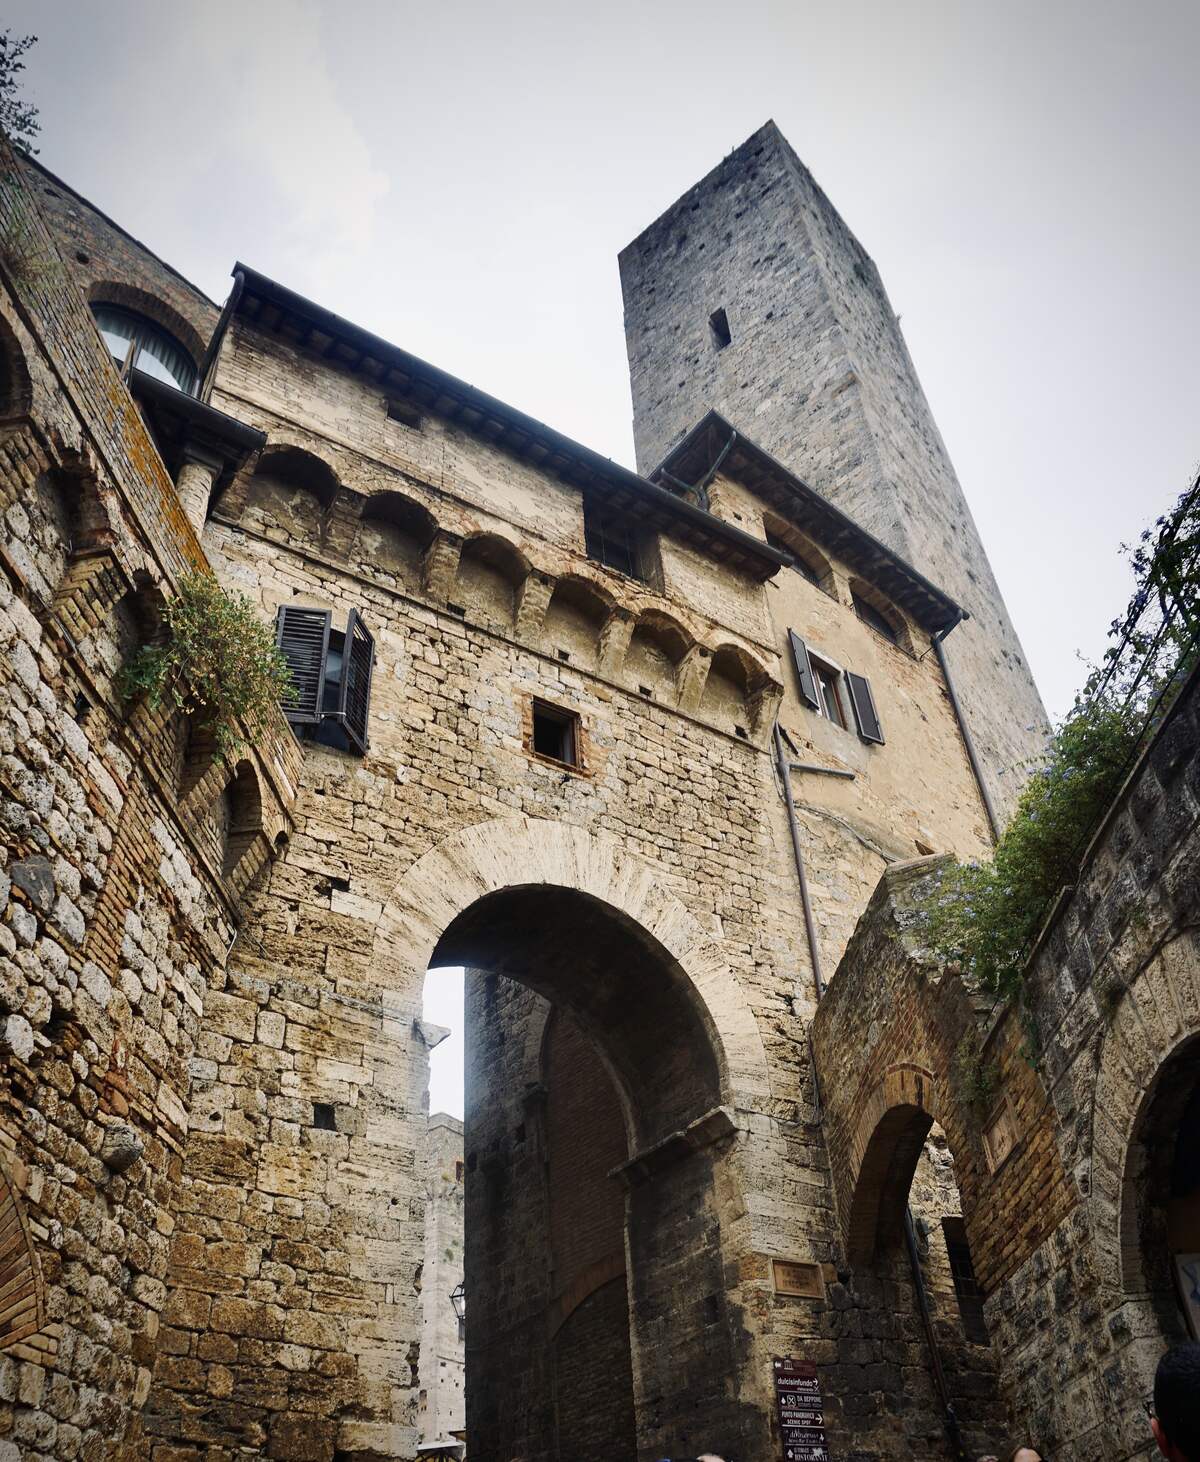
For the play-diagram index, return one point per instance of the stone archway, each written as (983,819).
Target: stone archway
(1149,1068)
(489,857)
(577,919)
(892,1127)
(1157,1017)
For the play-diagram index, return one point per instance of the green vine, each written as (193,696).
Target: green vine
(217,662)
(986,915)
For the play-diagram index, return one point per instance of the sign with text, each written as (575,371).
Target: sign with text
(801,1412)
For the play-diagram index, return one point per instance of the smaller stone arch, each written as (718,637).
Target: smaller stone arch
(811,562)
(245,820)
(578,610)
(733,690)
(289,495)
(892,1127)
(877,611)
(490,571)
(657,647)
(392,538)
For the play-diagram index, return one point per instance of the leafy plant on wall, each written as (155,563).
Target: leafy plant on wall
(987,915)
(216,661)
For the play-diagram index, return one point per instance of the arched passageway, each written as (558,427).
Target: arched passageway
(594,1254)
(1160,1201)
(930,1384)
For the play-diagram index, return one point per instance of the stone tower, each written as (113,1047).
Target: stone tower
(750,296)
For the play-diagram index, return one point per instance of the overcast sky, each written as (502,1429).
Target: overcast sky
(459,178)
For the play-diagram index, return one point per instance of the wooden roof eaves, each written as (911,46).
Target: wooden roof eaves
(829,525)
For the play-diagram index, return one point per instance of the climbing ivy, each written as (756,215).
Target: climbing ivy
(985,915)
(215,660)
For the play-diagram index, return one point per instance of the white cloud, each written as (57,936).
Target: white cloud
(276,104)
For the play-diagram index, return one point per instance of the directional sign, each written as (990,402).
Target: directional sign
(801,1411)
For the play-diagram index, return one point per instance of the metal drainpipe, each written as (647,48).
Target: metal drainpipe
(993,820)
(935,1355)
(810,929)
(204,389)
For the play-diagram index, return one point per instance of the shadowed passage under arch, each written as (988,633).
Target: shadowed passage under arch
(624,989)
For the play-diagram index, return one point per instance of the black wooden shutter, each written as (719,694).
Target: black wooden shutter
(808,685)
(354,698)
(864,708)
(303,636)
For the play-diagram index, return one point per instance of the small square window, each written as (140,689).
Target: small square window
(324,1116)
(556,733)
(718,323)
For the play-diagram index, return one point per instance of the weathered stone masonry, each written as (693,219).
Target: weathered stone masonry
(216,973)
(120,899)
(1064,1167)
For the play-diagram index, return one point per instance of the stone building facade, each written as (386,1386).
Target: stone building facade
(751,297)
(441,1400)
(1077,1171)
(636,754)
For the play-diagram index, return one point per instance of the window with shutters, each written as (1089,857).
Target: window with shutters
(829,690)
(331,674)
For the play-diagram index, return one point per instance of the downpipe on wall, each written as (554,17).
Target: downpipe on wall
(810,929)
(964,729)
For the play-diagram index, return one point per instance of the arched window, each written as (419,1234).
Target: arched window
(157,353)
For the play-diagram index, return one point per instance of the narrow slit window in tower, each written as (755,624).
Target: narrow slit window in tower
(719,324)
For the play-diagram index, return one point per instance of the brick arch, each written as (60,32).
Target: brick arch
(141,302)
(893,1123)
(1156,1022)
(491,857)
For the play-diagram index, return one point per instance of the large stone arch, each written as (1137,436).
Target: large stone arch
(492,856)
(463,902)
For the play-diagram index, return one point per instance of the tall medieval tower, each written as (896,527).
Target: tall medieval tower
(751,297)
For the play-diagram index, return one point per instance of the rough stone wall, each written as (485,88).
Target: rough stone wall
(440,1375)
(817,372)
(291,1303)
(1067,1215)
(117,916)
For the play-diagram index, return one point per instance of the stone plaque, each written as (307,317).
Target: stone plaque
(801,1411)
(1000,1136)
(792,1277)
